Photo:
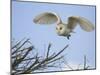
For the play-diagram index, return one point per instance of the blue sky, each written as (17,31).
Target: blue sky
(81,43)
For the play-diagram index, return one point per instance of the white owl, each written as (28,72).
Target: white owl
(64,29)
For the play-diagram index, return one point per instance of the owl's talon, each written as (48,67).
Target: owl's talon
(68,36)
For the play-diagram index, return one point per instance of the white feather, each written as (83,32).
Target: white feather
(47,18)
(83,22)
(86,24)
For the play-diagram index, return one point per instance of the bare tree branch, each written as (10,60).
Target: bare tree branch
(48,50)
(19,46)
(20,60)
(23,62)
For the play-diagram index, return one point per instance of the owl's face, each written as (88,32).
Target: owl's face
(61,30)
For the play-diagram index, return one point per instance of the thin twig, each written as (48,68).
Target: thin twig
(48,50)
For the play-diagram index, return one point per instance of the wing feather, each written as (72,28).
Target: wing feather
(46,18)
(86,24)
(83,22)
(72,22)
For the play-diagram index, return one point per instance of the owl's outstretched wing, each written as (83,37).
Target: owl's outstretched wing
(83,22)
(47,18)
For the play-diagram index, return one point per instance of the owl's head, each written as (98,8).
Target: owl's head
(61,29)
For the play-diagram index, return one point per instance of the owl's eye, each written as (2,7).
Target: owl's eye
(60,28)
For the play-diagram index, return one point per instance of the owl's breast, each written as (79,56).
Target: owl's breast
(64,32)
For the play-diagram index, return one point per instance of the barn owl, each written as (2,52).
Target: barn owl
(64,29)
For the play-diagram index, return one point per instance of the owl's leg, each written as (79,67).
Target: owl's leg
(68,36)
